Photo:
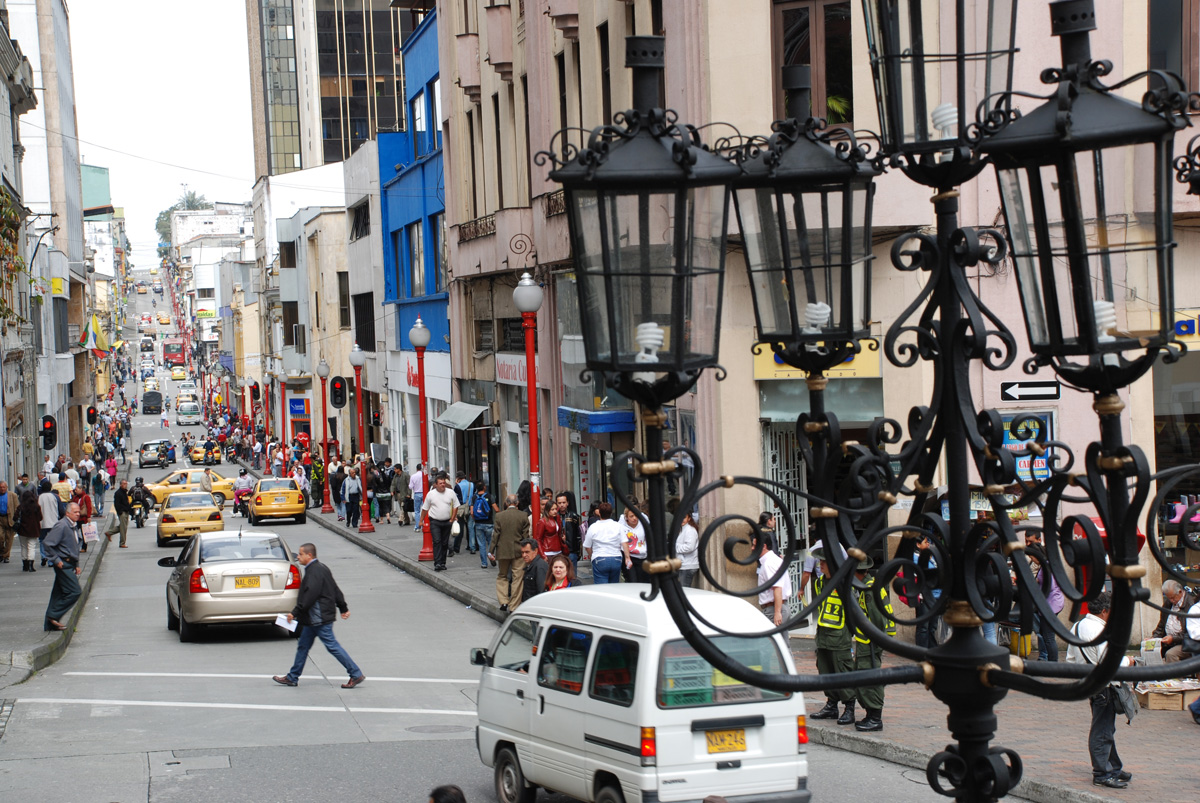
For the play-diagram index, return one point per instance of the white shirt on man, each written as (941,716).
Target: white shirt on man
(440,505)
(768,564)
(604,538)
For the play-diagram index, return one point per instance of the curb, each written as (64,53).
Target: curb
(468,597)
(41,656)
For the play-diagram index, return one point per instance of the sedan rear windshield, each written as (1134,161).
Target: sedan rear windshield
(190,500)
(277,485)
(685,680)
(245,547)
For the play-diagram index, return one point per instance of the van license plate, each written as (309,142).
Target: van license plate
(252,582)
(730,741)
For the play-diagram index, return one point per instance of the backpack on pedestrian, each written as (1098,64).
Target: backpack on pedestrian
(481,510)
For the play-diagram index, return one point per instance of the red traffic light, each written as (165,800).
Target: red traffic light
(92,415)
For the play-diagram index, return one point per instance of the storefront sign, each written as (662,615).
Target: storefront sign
(57,287)
(510,369)
(768,366)
(1032,468)
(298,407)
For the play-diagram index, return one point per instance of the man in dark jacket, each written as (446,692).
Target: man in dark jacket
(123,506)
(536,570)
(319,595)
(61,545)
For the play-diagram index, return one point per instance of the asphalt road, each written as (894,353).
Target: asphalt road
(131,714)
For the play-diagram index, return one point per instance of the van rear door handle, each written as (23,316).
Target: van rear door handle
(521,693)
(541,704)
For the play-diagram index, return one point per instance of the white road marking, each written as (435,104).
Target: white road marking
(373,678)
(245,706)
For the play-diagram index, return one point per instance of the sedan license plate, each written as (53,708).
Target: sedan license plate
(279,500)
(729,741)
(253,582)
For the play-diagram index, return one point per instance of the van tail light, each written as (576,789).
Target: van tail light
(293,578)
(214,516)
(167,518)
(649,748)
(197,584)
(801,732)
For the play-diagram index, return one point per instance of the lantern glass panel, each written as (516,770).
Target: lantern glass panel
(921,99)
(1098,242)
(650,257)
(823,258)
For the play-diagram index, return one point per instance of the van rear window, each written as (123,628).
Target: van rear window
(685,680)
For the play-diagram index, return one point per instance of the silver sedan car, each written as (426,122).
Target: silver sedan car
(230,578)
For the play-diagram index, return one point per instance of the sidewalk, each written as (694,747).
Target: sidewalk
(24,646)
(1050,737)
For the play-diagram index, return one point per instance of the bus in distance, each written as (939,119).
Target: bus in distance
(173,351)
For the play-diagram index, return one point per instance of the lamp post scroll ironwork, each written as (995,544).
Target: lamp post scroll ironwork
(963,575)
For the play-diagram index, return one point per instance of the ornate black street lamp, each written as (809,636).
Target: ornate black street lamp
(648,206)
(1053,166)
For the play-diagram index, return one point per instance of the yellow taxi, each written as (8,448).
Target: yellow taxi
(151,384)
(186,514)
(184,397)
(196,455)
(188,480)
(141,289)
(274,498)
(154,271)
(178,373)
(164,319)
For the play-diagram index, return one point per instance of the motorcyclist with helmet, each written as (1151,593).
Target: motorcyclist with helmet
(242,488)
(142,500)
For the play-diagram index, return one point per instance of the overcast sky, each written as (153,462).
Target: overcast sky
(162,92)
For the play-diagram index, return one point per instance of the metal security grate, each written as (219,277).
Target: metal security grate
(781,456)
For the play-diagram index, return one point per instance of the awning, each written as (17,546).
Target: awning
(460,416)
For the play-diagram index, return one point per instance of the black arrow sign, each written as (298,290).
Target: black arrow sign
(1030,391)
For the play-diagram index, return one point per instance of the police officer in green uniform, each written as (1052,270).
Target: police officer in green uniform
(833,646)
(866,654)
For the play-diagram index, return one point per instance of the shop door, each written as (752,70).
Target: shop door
(783,465)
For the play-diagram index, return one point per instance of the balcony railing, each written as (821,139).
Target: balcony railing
(474,229)
(556,204)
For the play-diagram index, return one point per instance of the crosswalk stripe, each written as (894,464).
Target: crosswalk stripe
(244,706)
(455,681)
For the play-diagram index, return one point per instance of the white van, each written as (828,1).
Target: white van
(592,692)
(187,413)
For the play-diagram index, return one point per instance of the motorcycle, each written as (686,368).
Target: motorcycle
(209,457)
(139,515)
(240,503)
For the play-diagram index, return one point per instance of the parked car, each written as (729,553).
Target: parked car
(593,692)
(230,578)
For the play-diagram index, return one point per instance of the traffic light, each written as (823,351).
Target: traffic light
(91,415)
(337,392)
(254,391)
(375,419)
(49,432)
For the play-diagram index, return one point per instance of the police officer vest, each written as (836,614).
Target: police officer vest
(889,626)
(832,614)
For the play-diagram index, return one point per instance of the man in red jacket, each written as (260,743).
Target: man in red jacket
(319,596)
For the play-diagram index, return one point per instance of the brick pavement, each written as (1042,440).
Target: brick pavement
(1050,737)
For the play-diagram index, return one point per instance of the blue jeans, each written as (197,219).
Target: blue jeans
(606,570)
(417,499)
(989,632)
(480,538)
(309,634)
(341,509)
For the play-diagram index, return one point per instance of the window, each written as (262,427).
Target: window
(358,88)
(364,321)
(416,258)
(62,342)
(441,438)
(563,658)
(287,255)
(817,33)
(417,115)
(343,283)
(437,245)
(436,90)
(605,77)
(615,671)
(474,204)
(400,290)
(514,650)
(685,680)
(499,153)
(1173,41)
(560,67)
(205,292)
(360,128)
(361,223)
(291,317)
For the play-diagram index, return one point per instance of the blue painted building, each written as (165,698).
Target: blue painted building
(412,209)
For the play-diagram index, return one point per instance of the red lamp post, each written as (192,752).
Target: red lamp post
(419,335)
(358,358)
(282,407)
(266,404)
(323,372)
(528,297)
